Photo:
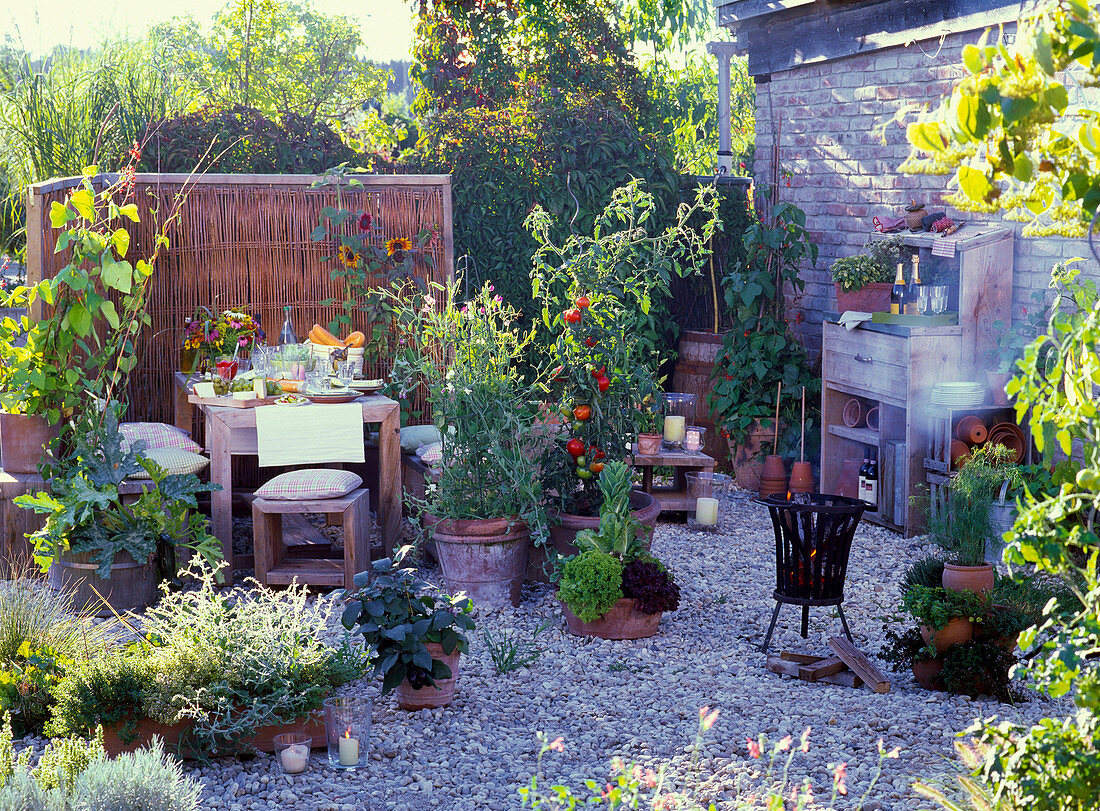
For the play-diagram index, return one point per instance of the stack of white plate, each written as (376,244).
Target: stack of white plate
(965,394)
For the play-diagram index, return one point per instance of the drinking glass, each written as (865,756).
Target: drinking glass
(939,299)
(347,729)
(924,297)
(261,362)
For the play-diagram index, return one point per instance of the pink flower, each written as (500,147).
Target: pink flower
(558,744)
(894,753)
(784,744)
(636,772)
(839,774)
(754,748)
(365,220)
(650,778)
(708,722)
(805,747)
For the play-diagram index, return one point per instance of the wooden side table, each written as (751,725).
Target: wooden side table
(675,497)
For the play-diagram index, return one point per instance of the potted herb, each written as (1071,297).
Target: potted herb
(909,651)
(614,589)
(978,668)
(595,293)
(413,633)
(482,506)
(650,423)
(762,351)
(863,282)
(96,538)
(946,616)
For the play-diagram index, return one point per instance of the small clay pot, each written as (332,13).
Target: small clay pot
(622,621)
(853,413)
(774,478)
(925,672)
(978,579)
(1009,435)
(649,444)
(872,418)
(957,631)
(411,698)
(802,478)
(971,430)
(960,452)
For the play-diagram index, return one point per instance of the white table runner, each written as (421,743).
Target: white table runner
(302,435)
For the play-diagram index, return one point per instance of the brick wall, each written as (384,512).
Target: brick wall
(838,142)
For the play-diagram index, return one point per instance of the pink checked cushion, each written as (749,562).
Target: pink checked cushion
(157,435)
(303,485)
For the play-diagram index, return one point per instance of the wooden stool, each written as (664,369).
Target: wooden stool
(275,567)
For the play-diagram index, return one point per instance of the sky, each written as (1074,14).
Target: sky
(42,24)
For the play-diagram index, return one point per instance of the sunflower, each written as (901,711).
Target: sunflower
(398,244)
(349,257)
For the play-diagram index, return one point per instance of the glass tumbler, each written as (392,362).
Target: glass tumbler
(704,507)
(292,751)
(347,730)
(679,414)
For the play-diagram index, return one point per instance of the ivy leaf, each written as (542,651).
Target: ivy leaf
(121,240)
(118,276)
(110,313)
(129,211)
(59,214)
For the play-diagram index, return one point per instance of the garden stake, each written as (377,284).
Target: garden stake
(778,395)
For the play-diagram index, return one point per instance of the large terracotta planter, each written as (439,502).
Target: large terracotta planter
(925,672)
(23,441)
(748,462)
(132,587)
(622,621)
(411,698)
(957,631)
(565,526)
(175,736)
(486,558)
(874,298)
(978,579)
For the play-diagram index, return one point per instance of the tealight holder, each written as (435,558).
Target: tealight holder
(704,511)
(347,730)
(679,414)
(694,439)
(292,751)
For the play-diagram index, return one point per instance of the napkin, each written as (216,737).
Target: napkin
(312,434)
(852,319)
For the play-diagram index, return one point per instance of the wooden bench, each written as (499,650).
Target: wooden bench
(683,462)
(278,565)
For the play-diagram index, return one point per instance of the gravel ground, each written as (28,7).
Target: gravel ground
(640,699)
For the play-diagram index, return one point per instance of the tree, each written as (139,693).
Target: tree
(277,57)
(1008,133)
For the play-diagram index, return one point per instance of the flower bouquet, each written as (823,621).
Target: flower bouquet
(230,336)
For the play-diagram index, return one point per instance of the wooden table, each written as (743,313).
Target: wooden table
(683,462)
(232,432)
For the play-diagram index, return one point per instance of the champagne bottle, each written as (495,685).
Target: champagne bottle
(898,292)
(912,296)
(863,474)
(287,335)
(870,483)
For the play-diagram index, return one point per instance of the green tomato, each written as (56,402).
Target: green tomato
(578,426)
(582,462)
(566,410)
(1088,479)
(584,474)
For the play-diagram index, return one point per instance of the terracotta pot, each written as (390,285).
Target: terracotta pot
(874,298)
(853,413)
(486,558)
(971,430)
(23,440)
(410,698)
(977,579)
(131,587)
(960,452)
(774,477)
(649,444)
(173,734)
(748,463)
(802,478)
(872,418)
(958,630)
(997,382)
(565,526)
(1009,435)
(622,621)
(926,672)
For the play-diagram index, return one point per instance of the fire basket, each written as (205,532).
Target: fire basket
(813,536)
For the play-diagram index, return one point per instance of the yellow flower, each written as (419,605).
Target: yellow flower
(349,257)
(398,244)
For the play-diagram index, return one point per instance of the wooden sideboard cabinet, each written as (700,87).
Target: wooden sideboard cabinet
(893,368)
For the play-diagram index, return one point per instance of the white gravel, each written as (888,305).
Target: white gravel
(640,699)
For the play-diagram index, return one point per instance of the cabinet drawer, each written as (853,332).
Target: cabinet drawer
(869,361)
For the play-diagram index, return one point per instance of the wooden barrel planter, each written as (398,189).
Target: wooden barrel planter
(698,352)
(132,587)
(748,458)
(23,440)
(486,557)
(622,621)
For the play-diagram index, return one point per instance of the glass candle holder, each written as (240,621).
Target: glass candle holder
(704,510)
(292,751)
(693,439)
(679,414)
(347,729)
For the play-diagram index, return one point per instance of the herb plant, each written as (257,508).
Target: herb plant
(902,651)
(927,571)
(856,272)
(590,584)
(396,613)
(975,668)
(936,607)
(26,686)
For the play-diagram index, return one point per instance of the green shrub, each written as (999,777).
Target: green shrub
(590,584)
(107,690)
(33,613)
(26,686)
(856,272)
(977,668)
(936,607)
(928,571)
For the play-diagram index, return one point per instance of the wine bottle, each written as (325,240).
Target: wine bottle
(863,474)
(287,335)
(912,296)
(870,483)
(898,292)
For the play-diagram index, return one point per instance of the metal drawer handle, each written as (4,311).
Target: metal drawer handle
(862,359)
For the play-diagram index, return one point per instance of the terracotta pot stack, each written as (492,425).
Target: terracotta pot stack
(971,431)
(774,478)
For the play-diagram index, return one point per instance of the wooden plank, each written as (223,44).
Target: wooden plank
(845,678)
(298,531)
(815,671)
(742,10)
(859,663)
(179,179)
(312,571)
(231,402)
(864,435)
(316,505)
(800,658)
(672,459)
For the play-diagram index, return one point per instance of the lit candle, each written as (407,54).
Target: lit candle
(693,440)
(349,750)
(706,511)
(674,428)
(295,757)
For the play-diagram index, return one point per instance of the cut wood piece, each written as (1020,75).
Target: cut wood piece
(801,658)
(815,671)
(845,678)
(852,657)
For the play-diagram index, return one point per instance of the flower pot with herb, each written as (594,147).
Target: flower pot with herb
(614,589)
(650,427)
(481,508)
(946,616)
(595,293)
(96,539)
(910,651)
(413,633)
(763,351)
(863,282)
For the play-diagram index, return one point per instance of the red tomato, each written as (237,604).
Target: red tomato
(596,467)
(575,447)
(596,453)
(590,342)
(597,373)
(602,383)
(583,302)
(571,316)
(582,412)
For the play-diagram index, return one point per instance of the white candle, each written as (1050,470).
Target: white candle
(349,751)
(294,758)
(706,511)
(693,441)
(674,428)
